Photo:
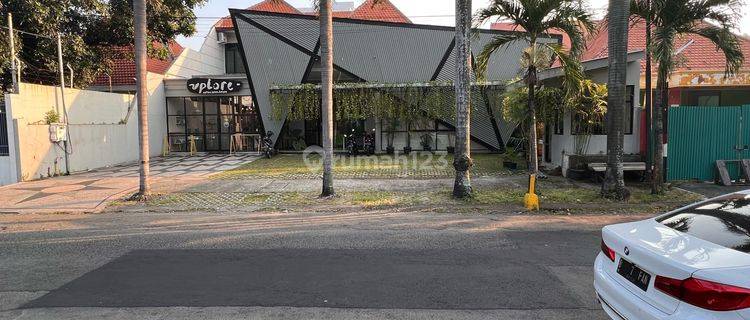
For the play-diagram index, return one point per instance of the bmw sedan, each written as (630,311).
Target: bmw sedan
(689,264)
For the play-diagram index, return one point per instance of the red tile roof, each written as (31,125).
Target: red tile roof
(279,6)
(382,11)
(123,69)
(698,53)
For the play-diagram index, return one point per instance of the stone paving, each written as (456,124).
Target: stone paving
(91,191)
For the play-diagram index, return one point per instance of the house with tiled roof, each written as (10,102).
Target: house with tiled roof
(121,77)
(698,78)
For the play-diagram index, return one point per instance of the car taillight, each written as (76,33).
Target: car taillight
(608,251)
(705,294)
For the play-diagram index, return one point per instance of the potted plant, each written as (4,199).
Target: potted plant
(511,159)
(426,141)
(451,148)
(392,126)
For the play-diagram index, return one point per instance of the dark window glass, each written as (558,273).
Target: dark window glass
(175,106)
(194,106)
(233,58)
(724,221)
(211,105)
(176,124)
(195,125)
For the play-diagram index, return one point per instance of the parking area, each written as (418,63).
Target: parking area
(91,191)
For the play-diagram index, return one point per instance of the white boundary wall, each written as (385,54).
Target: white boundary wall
(103,132)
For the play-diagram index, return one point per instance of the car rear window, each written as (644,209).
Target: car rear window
(724,221)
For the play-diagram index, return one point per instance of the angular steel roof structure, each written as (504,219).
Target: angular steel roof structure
(281,49)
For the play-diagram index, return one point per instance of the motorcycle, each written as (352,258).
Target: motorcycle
(268,149)
(351,144)
(369,143)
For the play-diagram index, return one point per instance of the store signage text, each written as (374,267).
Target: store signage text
(213,86)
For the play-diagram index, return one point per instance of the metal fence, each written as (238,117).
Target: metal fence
(698,136)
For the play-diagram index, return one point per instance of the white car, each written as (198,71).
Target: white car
(689,264)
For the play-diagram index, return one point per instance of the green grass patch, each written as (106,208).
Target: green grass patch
(415,165)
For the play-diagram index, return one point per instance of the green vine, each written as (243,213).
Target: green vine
(406,103)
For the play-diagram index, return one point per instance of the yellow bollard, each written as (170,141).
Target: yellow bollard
(531,200)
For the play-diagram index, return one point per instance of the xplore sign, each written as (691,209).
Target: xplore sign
(213,86)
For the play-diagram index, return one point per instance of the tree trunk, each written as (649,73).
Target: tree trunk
(613,186)
(326,84)
(531,82)
(662,101)
(462,158)
(139,12)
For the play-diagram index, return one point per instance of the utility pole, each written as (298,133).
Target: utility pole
(13,72)
(62,99)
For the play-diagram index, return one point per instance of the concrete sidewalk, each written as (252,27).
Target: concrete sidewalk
(91,191)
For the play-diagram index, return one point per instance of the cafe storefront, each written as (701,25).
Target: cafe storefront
(214,114)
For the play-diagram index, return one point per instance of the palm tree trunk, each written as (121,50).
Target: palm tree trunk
(462,159)
(531,82)
(662,101)
(326,83)
(139,12)
(613,186)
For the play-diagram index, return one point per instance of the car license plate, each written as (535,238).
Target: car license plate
(634,274)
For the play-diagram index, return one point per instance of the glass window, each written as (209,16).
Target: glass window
(211,105)
(194,106)
(176,124)
(195,124)
(212,124)
(233,58)
(175,106)
(226,107)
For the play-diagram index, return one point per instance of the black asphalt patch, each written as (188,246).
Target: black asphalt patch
(392,278)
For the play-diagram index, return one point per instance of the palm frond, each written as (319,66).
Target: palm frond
(573,74)
(727,42)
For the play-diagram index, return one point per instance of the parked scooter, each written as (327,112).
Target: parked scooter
(268,149)
(369,143)
(351,144)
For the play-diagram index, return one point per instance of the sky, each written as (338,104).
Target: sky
(437,12)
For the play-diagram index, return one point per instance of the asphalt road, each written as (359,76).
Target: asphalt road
(364,265)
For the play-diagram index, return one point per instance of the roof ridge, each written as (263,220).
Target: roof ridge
(381,2)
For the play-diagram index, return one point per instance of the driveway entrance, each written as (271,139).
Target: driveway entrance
(91,191)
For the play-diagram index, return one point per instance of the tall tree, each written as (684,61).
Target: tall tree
(536,18)
(139,25)
(90,29)
(326,53)
(671,19)
(462,160)
(613,186)
(325,14)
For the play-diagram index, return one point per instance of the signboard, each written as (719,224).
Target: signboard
(213,86)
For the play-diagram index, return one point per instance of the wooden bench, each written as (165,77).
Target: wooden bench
(598,168)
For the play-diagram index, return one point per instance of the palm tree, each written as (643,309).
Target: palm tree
(670,19)
(462,159)
(139,12)
(326,85)
(536,18)
(614,183)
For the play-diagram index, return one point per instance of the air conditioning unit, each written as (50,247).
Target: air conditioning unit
(221,37)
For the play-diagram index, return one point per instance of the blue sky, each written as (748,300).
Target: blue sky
(439,12)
